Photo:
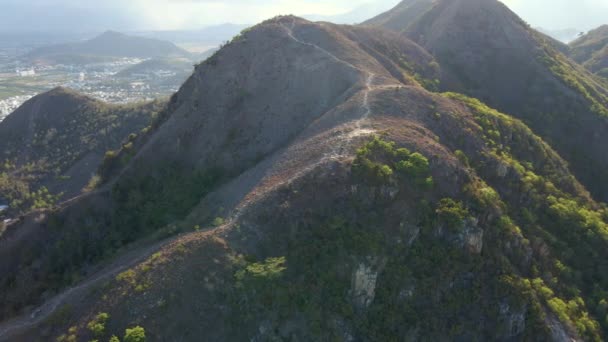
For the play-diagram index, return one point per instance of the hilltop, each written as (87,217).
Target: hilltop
(368,207)
(54,143)
(108,45)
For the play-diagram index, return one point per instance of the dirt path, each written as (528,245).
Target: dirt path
(360,126)
(12,327)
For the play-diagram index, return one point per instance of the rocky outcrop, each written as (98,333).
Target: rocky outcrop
(472,236)
(514,321)
(364,279)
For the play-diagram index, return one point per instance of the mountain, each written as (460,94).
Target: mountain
(487,52)
(53,144)
(365,207)
(177,67)
(591,50)
(108,45)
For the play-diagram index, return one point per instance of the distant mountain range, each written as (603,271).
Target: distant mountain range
(107,45)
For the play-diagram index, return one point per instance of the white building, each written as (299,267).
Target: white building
(26,73)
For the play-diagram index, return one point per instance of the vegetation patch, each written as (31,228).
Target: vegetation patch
(378,162)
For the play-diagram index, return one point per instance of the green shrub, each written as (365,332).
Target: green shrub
(218,221)
(462,157)
(377,161)
(98,325)
(270,269)
(452,213)
(135,334)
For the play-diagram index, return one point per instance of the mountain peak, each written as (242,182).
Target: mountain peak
(66,93)
(407,12)
(110,34)
(60,90)
(108,44)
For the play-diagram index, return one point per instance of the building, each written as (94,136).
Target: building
(26,73)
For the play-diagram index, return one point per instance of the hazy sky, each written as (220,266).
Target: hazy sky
(88,15)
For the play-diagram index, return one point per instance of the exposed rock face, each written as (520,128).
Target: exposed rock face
(559,332)
(472,236)
(363,287)
(502,169)
(514,321)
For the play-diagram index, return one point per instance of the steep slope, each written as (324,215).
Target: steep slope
(489,53)
(222,122)
(361,208)
(591,50)
(57,140)
(110,44)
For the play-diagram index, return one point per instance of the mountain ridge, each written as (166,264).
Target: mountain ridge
(110,44)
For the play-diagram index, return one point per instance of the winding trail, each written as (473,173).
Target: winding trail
(359,127)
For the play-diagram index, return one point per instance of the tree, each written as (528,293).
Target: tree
(136,334)
(98,325)
(452,213)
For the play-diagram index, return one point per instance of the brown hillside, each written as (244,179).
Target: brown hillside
(338,198)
